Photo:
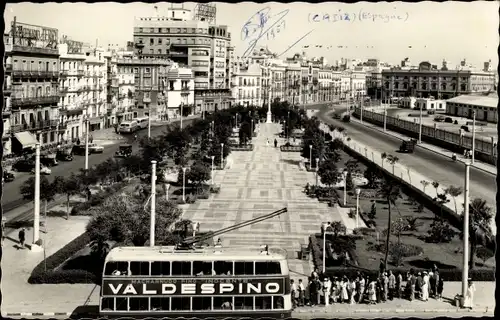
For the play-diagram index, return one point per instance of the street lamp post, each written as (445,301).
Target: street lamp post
(182,110)
(149,121)
(358,191)
(252,126)
(473,136)
(344,175)
(153,205)
(317,166)
(36,213)
(324,227)
(310,156)
(269,113)
(86,142)
(222,156)
(167,187)
(465,266)
(385,117)
(420,125)
(184,184)
(212,173)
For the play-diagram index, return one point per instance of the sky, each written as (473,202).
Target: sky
(386,31)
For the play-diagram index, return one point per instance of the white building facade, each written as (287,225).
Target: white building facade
(246,80)
(180,91)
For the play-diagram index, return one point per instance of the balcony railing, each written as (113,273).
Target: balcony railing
(38,125)
(8,67)
(7,87)
(185,88)
(27,102)
(35,74)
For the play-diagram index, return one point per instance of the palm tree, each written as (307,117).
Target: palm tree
(480,215)
(390,192)
(424,183)
(454,192)
(435,184)
(392,160)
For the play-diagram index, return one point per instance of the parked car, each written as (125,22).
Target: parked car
(439,119)
(95,148)
(24,165)
(48,159)
(8,176)
(448,120)
(43,170)
(64,155)
(465,128)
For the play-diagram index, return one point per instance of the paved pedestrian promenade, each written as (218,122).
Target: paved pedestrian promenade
(260,182)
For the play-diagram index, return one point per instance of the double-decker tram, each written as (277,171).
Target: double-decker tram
(208,282)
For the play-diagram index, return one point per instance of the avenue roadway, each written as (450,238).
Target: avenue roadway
(12,198)
(433,165)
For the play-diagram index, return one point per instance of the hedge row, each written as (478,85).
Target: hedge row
(290,148)
(47,271)
(248,147)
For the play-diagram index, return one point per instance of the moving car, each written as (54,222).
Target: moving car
(43,170)
(95,148)
(8,176)
(24,165)
(64,154)
(408,146)
(48,159)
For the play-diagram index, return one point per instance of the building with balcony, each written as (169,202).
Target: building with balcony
(32,80)
(121,89)
(149,92)
(326,84)
(426,81)
(180,92)
(71,109)
(200,45)
(93,88)
(246,83)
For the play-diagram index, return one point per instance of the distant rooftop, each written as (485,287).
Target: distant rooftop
(476,100)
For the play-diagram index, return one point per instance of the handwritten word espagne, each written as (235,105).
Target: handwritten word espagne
(360,16)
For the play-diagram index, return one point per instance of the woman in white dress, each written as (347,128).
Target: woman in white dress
(425,287)
(372,293)
(343,285)
(469,296)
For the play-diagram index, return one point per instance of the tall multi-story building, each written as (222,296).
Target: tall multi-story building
(197,43)
(32,73)
(292,83)
(93,87)
(325,84)
(149,93)
(72,66)
(180,92)
(122,88)
(428,81)
(246,83)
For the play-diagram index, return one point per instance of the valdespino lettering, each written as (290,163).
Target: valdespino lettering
(201,287)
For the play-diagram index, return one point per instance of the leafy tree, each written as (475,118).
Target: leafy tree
(480,233)
(441,199)
(390,192)
(133,164)
(454,192)
(337,228)
(47,191)
(198,174)
(352,166)
(245,133)
(70,186)
(441,232)
(435,184)
(124,219)
(328,173)
(153,149)
(373,175)
(336,144)
(313,136)
(397,227)
(484,254)
(178,142)
(348,181)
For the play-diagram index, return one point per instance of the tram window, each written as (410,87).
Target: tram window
(278,302)
(181,303)
(181,268)
(158,304)
(138,304)
(267,267)
(223,268)
(139,268)
(202,303)
(243,303)
(243,268)
(202,268)
(160,268)
(113,266)
(223,303)
(263,303)
(121,304)
(108,304)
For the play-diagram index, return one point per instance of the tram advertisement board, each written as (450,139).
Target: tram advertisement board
(225,286)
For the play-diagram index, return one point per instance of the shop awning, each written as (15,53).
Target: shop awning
(26,139)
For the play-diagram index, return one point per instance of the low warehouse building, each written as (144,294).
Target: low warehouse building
(463,106)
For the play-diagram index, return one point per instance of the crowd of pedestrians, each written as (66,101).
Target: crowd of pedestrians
(326,290)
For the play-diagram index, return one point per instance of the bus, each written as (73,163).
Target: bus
(205,282)
(142,122)
(128,127)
